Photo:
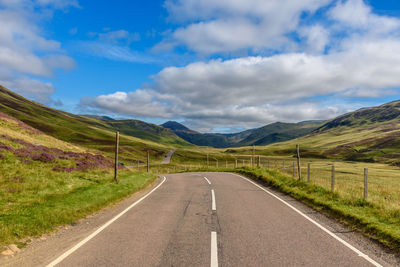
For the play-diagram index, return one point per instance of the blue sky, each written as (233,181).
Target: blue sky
(213,65)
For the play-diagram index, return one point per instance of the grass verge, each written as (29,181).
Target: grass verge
(35,214)
(358,214)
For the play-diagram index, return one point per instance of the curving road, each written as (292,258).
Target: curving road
(167,158)
(208,219)
(214,219)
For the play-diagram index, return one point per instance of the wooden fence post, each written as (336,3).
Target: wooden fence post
(333,178)
(208,166)
(116,157)
(216,163)
(259,161)
(365,183)
(226,164)
(283,165)
(308,172)
(236,164)
(298,161)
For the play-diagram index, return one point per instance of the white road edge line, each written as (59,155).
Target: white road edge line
(208,181)
(214,250)
(366,257)
(80,244)
(213,205)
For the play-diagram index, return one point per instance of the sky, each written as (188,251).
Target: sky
(215,66)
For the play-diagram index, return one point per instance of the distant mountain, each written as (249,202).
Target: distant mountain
(279,132)
(272,133)
(368,134)
(214,140)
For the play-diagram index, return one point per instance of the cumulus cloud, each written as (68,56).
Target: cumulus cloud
(228,26)
(340,55)
(24,49)
(31,88)
(252,90)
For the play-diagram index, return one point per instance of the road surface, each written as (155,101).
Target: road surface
(167,158)
(208,219)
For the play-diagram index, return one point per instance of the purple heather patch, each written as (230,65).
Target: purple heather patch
(5,147)
(84,161)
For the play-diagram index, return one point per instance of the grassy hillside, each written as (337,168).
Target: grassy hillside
(137,137)
(46,182)
(369,134)
(279,132)
(271,133)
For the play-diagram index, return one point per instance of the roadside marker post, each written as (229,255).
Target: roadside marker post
(365,183)
(208,166)
(308,172)
(116,157)
(236,165)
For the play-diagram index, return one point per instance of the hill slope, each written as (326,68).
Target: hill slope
(369,134)
(271,133)
(91,132)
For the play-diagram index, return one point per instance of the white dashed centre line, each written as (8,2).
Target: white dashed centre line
(208,181)
(214,250)
(213,205)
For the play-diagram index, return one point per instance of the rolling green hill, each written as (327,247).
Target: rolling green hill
(271,133)
(279,132)
(369,134)
(91,132)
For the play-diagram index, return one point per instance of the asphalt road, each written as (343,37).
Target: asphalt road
(167,158)
(224,220)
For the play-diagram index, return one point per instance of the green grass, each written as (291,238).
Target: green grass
(366,216)
(46,200)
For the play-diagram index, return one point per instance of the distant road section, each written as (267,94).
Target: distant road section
(167,158)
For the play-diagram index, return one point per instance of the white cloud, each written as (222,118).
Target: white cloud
(358,15)
(350,52)
(26,51)
(256,90)
(34,89)
(316,38)
(228,26)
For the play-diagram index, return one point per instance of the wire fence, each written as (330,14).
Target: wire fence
(348,179)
